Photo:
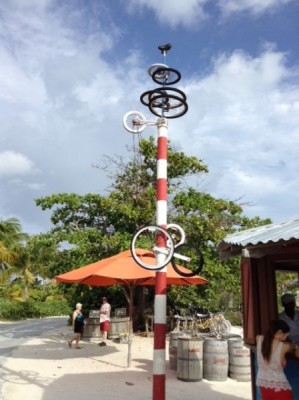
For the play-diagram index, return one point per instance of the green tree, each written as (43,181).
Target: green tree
(11,236)
(97,226)
(25,257)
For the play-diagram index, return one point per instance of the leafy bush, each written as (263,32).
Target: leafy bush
(15,310)
(235,317)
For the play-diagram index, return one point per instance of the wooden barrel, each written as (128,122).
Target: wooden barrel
(239,361)
(117,326)
(173,347)
(189,359)
(215,359)
(91,328)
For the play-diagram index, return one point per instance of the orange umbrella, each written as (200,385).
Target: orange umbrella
(121,269)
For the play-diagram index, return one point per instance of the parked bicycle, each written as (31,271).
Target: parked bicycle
(215,323)
(197,321)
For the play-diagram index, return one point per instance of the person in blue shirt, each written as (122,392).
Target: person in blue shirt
(78,325)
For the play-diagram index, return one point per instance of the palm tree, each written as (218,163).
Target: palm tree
(5,256)
(10,232)
(34,254)
(10,236)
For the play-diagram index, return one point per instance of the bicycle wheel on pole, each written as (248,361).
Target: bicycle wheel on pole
(134,121)
(147,246)
(166,76)
(153,68)
(187,256)
(168,106)
(177,233)
(146,97)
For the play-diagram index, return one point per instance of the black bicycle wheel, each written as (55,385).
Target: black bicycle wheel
(147,96)
(187,256)
(166,76)
(168,106)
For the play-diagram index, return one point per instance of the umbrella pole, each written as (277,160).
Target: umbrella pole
(131,300)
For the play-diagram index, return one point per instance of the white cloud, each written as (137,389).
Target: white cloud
(255,7)
(13,163)
(192,13)
(62,104)
(187,13)
(243,121)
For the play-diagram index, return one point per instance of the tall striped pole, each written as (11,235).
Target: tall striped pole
(159,359)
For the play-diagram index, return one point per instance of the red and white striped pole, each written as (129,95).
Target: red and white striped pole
(159,359)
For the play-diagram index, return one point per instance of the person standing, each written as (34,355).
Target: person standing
(290,316)
(104,320)
(78,325)
(271,351)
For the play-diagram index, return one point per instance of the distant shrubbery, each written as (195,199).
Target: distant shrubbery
(235,317)
(15,310)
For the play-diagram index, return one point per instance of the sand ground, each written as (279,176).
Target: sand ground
(46,369)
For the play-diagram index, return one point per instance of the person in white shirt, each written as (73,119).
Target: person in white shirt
(290,316)
(104,320)
(271,351)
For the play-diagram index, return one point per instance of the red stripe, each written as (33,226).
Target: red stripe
(161,240)
(162,148)
(159,336)
(161,186)
(159,387)
(160,287)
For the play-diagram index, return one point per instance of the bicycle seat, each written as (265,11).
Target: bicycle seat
(165,47)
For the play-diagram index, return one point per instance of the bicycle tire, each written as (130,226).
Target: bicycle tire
(167,239)
(134,122)
(226,326)
(161,107)
(197,262)
(177,228)
(154,68)
(148,95)
(166,76)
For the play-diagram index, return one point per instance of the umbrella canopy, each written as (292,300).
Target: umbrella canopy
(121,269)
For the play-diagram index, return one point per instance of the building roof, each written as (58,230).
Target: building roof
(233,244)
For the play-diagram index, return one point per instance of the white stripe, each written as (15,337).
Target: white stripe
(161,212)
(160,309)
(159,362)
(162,127)
(162,169)
(160,260)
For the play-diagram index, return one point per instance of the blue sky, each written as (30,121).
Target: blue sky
(71,69)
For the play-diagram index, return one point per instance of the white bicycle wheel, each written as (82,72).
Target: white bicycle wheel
(134,121)
(152,247)
(177,233)
(226,326)
(153,68)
